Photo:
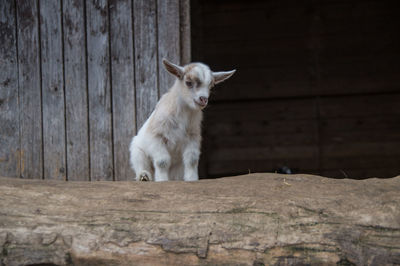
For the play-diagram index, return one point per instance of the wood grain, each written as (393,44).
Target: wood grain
(29,79)
(76,98)
(99,87)
(52,90)
(185,32)
(123,87)
(168,40)
(257,219)
(146,58)
(79,78)
(9,109)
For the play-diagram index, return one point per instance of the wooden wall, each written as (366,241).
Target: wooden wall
(78,78)
(317,87)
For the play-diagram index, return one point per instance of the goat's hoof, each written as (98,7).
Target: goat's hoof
(144,177)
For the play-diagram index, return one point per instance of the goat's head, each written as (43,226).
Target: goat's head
(196,80)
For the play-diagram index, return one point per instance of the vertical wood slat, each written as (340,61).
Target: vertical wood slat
(55,130)
(185,32)
(146,79)
(75,90)
(168,40)
(52,90)
(123,90)
(99,87)
(29,89)
(9,113)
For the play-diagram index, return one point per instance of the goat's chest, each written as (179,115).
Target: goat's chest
(176,135)
(179,133)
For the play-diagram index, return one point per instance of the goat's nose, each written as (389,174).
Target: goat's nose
(203,100)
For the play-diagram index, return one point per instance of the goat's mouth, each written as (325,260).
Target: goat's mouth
(202,105)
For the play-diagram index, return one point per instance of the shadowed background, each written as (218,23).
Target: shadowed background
(317,87)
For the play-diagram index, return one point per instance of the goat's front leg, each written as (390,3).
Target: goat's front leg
(191,156)
(161,160)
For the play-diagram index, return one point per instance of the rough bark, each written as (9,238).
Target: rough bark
(257,219)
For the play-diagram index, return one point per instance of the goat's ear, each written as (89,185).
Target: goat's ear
(221,76)
(173,69)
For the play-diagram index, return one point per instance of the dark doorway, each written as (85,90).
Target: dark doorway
(317,88)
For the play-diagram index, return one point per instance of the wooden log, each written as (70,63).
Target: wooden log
(30,101)
(54,157)
(258,219)
(99,91)
(76,98)
(123,88)
(146,58)
(9,109)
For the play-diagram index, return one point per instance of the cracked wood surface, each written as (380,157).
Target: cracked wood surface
(257,219)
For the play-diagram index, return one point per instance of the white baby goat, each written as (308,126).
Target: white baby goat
(167,146)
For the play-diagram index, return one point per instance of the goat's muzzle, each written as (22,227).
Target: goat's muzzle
(202,101)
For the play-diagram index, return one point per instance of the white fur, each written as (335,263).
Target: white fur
(167,147)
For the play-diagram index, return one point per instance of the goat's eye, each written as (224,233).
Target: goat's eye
(189,84)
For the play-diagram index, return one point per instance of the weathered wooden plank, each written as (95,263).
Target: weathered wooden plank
(185,32)
(29,89)
(76,90)
(99,87)
(52,90)
(168,40)
(123,89)
(9,109)
(146,58)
